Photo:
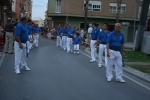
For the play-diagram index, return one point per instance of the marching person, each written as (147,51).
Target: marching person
(64,37)
(76,42)
(101,41)
(9,37)
(89,33)
(115,46)
(70,34)
(20,46)
(93,38)
(29,27)
(58,33)
(37,35)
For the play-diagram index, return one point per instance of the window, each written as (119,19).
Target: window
(93,5)
(113,8)
(58,6)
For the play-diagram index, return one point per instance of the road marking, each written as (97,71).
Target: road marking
(123,75)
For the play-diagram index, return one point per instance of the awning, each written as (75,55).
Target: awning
(5,2)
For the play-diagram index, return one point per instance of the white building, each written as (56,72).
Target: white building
(38,21)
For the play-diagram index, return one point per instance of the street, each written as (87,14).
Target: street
(58,75)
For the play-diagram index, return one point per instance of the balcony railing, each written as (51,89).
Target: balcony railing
(58,9)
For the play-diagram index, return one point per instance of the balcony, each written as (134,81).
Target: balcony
(58,9)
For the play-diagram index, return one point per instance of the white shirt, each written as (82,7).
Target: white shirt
(90,30)
(100,30)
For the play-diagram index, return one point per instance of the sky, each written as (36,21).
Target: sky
(38,9)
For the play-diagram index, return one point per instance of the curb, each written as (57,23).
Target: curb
(2,58)
(143,76)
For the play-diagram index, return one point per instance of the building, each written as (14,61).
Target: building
(26,8)
(5,10)
(100,11)
(38,21)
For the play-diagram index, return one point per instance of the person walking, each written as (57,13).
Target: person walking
(115,46)
(20,46)
(101,41)
(37,35)
(76,42)
(89,31)
(70,34)
(9,37)
(93,38)
(64,37)
(59,31)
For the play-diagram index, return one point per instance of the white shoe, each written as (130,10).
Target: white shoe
(99,66)
(27,69)
(120,80)
(17,71)
(78,53)
(91,61)
(108,80)
(64,49)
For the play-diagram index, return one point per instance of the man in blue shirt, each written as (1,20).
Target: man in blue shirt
(93,38)
(115,45)
(64,37)
(70,34)
(20,46)
(59,31)
(37,33)
(101,41)
(29,28)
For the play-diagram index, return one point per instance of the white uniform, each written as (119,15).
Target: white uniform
(69,44)
(64,42)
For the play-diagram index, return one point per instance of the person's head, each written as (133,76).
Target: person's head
(66,24)
(95,25)
(36,25)
(69,26)
(77,29)
(23,20)
(117,27)
(106,26)
(77,34)
(9,19)
(90,25)
(29,21)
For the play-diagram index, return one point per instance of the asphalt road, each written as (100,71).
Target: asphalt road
(57,75)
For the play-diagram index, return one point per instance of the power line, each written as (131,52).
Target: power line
(40,1)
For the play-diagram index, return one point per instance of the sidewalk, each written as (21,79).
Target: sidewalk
(136,73)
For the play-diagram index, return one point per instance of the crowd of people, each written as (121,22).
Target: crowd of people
(20,38)
(110,43)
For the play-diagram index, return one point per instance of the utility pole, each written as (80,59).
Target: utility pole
(142,24)
(86,13)
(67,13)
(118,10)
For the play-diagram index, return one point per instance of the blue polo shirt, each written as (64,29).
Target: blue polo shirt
(37,29)
(76,40)
(71,31)
(22,32)
(28,28)
(95,33)
(59,31)
(33,29)
(102,36)
(65,31)
(115,41)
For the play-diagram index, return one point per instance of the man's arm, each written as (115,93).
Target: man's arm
(19,41)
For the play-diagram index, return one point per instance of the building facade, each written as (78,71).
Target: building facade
(100,11)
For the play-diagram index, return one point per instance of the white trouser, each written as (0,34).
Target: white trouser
(114,59)
(37,40)
(102,48)
(58,41)
(64,42)
(76,46)
(93,50)
(69,44)
(20,55)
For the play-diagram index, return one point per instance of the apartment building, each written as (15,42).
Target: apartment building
(5,10)
(26,8)
(100,11)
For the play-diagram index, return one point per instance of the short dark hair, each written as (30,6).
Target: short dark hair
(29,20)
(23,19)
(95,24)
(106,24)
(77,34)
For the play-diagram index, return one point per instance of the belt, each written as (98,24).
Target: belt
(102,43)
(94,40)
(21,41)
